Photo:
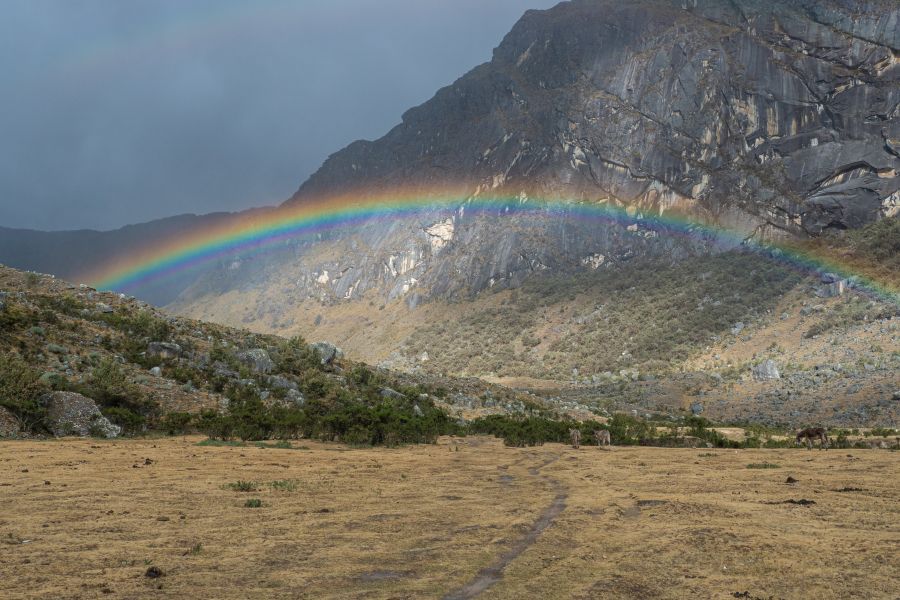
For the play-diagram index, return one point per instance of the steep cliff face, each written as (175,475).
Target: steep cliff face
(774,118)
(785,111)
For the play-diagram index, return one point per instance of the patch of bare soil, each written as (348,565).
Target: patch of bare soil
(89,519)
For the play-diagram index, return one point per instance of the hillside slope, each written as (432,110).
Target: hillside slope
(146,370)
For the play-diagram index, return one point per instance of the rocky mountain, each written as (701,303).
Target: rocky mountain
(773,119)
(777,115)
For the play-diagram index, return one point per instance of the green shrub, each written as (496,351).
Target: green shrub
(130,421)
(284,485)
(294,356)
(20,391)
(253,503)
(177,423)
(243,486)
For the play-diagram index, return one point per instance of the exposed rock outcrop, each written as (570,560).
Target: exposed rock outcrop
(257,359)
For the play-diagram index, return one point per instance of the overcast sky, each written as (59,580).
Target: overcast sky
(118,112)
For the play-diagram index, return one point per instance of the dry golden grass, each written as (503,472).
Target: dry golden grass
(85,519)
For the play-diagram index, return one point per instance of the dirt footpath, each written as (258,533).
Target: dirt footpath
(461,519)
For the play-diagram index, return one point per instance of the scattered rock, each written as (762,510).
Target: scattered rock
(696,408)
(70,413)
(737,328)
(104,308)
(156,372)
(154,573)
(791,480)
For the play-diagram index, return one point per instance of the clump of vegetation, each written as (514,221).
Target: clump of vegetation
(284,485)
(177,423)
(355,413)
(20,391)
(119,399)
(763,465)
(253,503)
(243,486)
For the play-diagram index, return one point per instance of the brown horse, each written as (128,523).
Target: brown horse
(814,433)
(575,434)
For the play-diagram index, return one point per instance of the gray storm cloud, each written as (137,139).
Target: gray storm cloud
(120,112)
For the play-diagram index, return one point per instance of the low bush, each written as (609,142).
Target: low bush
(21,390)
(243,486)
(177,423)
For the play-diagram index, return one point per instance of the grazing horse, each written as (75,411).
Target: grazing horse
(575,434)
(812,433)
(602,437)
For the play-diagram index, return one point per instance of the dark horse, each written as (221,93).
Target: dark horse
(814,433)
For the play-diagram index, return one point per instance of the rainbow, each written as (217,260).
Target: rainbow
(269,229)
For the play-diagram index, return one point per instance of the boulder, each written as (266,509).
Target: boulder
(257,359)
(766,371)
(220,369)
(164,350)
(328,352)
(104,308)
(391,394)
(156,372)
(282,383)
(737,328)
(696,408)
(295,397)
(69,413)
(837,288)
